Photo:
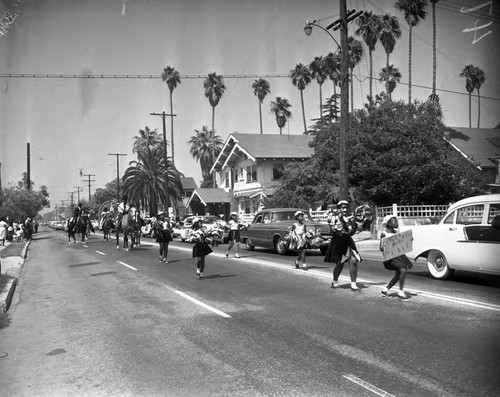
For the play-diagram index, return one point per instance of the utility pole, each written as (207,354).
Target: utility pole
(117,172)
(28,167)
(72,202)
(62,207)
(163,115)
(88,180)
(78,189)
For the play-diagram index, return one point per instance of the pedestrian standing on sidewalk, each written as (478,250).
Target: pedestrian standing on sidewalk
(400,264)
(342,248)
(200,247)
(163,231)
(234,234)
(299,239)
(3,230)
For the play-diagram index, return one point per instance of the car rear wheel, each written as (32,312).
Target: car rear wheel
(438,265)
(281,246)
(249,245)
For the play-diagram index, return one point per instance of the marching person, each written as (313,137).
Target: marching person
(163,235)
(400,264)
(342,248)
(300,239)
(200,247)
(234,234)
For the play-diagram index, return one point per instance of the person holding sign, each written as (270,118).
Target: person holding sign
(399,264)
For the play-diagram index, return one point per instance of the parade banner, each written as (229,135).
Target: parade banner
(397,244)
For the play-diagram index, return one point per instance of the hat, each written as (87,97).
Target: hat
(342,203)
(234,213)
(387,217)
(296,215)
(195,219)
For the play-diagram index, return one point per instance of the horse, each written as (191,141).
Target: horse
(107,226)
(77,226)
(129,224)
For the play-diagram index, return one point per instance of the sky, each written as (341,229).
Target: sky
(73,123)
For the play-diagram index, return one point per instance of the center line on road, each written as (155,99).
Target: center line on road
(100,253)
(212,309)
(368,386)
(124,264)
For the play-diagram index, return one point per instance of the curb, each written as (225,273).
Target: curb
(7,295)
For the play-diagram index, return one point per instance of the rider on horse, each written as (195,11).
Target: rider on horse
(123,208)
(77,212)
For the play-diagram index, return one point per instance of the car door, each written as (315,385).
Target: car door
(254,230)
(488,244)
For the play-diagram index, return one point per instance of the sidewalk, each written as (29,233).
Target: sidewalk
(10,266)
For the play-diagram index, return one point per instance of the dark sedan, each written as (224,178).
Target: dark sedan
(269,229)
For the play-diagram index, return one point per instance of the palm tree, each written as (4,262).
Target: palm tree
(479,79)
(319,72)
(391,76)
(468,72)
(332,66)
(261,88)
(389,32)
(281,109)
(301,77)
(369,28)
(144,180)
(433,2)
(147,138)
(414,11)
(214,89)
(355,52)
(172,78)
(201,148)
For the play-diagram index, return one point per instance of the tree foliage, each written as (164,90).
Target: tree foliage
(18,203)
(397,154)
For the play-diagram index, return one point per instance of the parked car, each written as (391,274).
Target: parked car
(270,226)
(463,239)
(209,221)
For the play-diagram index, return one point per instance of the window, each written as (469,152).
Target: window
(494,211)
(242,176)
(449,218)
(278,170)
(258,220)
(227,177)
(470,215)
(251,173)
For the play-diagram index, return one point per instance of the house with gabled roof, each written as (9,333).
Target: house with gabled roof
(250,166)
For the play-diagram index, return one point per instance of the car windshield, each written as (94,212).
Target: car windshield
(287,216)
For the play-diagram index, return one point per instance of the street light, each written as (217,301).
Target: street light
(344,101)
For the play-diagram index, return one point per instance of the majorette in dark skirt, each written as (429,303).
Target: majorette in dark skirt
(342,248)
(201,248)
(234,234)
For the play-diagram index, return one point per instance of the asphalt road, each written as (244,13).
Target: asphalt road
(92,320)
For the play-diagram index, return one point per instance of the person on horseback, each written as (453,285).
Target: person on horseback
(123,208)
(77,212)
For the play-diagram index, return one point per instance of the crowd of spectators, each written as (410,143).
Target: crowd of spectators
(19,231)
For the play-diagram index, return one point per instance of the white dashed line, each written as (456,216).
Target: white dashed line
(101,253)
(204,305)
(124,264)
(368,386)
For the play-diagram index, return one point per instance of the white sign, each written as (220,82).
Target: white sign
(397,244)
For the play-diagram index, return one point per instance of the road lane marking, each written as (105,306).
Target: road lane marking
(467,302)
(204,305)
(100,253)
(124,264)
(368,386)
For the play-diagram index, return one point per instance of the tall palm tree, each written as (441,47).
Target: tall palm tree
(479,79)
(214,89)
(355,55)
(202,144)
(144,180)
(391,76)
(414,11)
(332,62)
(369,28)
(319,72)
(147,138)
(301,77)
(261,88)
(468,72)
(390,31)
(172,78)
(281,109)
(433,2)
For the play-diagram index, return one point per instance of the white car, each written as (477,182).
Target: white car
(209,221)
(464,239)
